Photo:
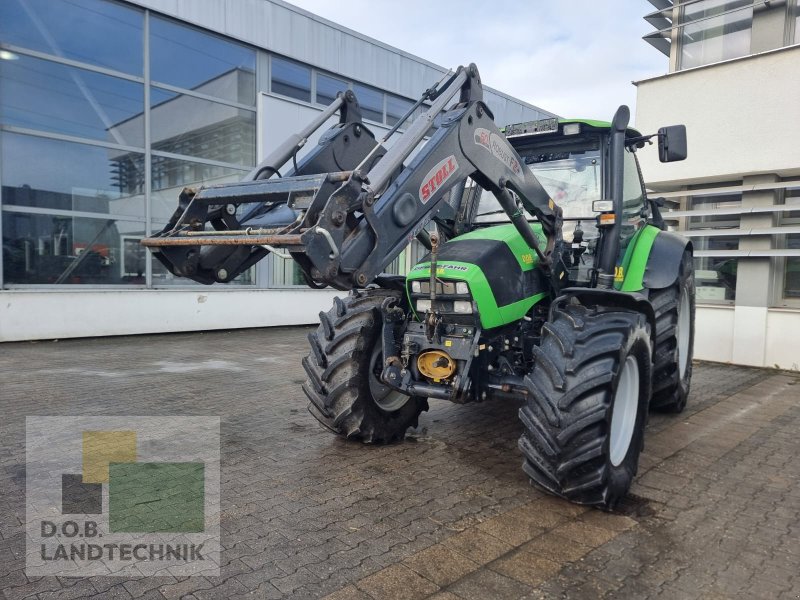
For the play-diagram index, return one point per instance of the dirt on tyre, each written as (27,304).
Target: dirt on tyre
(343,369)
(675,311)
(587,401)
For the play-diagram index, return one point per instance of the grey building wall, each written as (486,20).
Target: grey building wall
(285,29)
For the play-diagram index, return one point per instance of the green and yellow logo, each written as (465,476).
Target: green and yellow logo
(122,495)
(143,497)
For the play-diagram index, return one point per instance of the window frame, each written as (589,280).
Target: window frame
(316,74)
(683,23)
(782,262)
(200,31)
(729,223)
(311,79)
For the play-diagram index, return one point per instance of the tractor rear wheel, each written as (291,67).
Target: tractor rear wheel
(672,371)
(587,401)
(344,366)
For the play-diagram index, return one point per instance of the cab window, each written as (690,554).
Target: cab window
(633,202)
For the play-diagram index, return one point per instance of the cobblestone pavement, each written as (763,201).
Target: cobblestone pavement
(715,512)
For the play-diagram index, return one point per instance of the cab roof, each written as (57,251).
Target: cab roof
(548,123)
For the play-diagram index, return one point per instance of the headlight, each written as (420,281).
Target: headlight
(423,305)
(463,307)
(416,287)
(462,287)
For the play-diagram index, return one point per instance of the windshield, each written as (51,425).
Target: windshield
(572,179)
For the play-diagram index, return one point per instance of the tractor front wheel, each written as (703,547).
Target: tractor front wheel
(586,405)
(344,366)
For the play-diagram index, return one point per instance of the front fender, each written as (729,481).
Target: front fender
(654,261)
(610,299)
(664,262)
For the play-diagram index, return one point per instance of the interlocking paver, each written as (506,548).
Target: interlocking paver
(449,512)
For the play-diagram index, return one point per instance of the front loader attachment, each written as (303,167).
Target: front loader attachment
(350,207)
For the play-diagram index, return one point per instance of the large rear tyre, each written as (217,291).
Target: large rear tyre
(343,370)
(675,309)
(586,409)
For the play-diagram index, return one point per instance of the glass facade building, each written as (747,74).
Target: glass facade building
(109,108)
(107,111)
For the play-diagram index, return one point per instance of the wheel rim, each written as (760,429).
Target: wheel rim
(626,407)
(386,398)
(684,333)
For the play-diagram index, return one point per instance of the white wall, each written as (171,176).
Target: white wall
(783,335)
(30,315)
(741,118)
(713,338)
(748,335)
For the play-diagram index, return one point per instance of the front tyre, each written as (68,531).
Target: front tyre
(675,311)
(587,401)
(344,368)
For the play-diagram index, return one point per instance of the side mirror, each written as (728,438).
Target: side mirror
(672,143)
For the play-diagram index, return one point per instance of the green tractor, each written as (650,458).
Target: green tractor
(549,278)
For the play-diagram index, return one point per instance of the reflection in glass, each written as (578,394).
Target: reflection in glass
(371,101)
(715,276)
(715,30)
(171,175)
(797,24)
(284,273)
(39,94)
(162,277)
(101,33)
(64,250)
(791,284)
(328,87)
(290,79)
(183,124)
(714,202)
(60,175)
(395,108)
(189,58)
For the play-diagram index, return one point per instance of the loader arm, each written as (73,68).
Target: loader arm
(353,221)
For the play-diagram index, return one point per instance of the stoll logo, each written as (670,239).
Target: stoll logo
(437,177)
(126,496)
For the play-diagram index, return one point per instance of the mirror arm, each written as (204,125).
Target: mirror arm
(640,140)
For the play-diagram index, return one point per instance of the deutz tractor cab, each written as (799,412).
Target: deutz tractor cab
(570,159)
(550,280)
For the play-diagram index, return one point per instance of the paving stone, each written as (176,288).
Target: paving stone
(556,548)
(440,564)
(397,582)
(445,596)
(584,533)
(485,583)
(305,514)
(478,546)
(525,567)
(350,592)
